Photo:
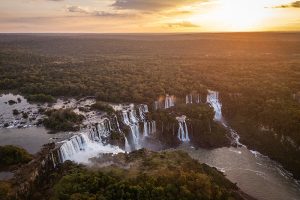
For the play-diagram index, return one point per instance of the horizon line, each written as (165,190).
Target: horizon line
(156,33)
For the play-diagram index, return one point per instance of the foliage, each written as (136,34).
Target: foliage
(102,106)
(15,112)
(41,98)
(62,120)
(11,155)
(166,175)
(5,190)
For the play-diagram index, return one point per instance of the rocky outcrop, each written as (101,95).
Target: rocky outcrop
(29,177)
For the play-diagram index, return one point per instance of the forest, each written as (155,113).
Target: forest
(140,175)
(257,75)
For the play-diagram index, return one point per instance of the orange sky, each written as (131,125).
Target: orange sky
(116,16)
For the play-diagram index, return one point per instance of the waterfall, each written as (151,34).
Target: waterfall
(169,101)
(83,146)
(198,98)
(103,128)
(127,146)
(125,118)
(117,122)
(142,110)
(189,99)
(213,100)
(135,134)
(156,105)
(141,113)
(145,108)
(149,128)
(132,116)
(183,133)
(146,129)
(80,148)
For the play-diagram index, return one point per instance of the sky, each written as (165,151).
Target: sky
(148,16)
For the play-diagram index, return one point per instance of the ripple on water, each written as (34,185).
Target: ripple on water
(255,174)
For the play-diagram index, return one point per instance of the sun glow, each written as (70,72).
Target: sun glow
(235,15)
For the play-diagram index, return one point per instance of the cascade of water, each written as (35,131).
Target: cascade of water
(149,128)
(153,127)
(141,113)
(156,105)
(90,143)
(80,148)
(213,100)
(145,108)
(142,110)
(189,99)
(127,146)
(198,98)
(169,101)
(117,123)
(146,129)
(135,134)
(183,133)
(125,118)
(103,128)
(74,145)
(93,134)
(132,116)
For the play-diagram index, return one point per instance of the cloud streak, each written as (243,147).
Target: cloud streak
(185,24)
(148,5)
(295,4)
(97,13)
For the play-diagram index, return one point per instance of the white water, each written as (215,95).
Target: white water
(85,145)
(213,100)
(149,128)
(189,99)
(183,133)
(125,118)
(80,148)
(169,101)
(127,146)
(198,98)
(133,120)
(257,175)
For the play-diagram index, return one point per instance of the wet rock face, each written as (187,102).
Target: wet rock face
(29,177)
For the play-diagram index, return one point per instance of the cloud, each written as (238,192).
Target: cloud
(185,24)
(295,4)
(150,5)
(78,9)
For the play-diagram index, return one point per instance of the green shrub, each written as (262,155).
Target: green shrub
(11,155)
(102,107)
(42,98)
(62,120)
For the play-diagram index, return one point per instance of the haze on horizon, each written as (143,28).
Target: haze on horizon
(137,16)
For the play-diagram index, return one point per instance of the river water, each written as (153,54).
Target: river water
(254,173)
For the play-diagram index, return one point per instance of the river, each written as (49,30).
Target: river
(254,173)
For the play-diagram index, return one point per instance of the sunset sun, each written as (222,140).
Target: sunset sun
(239,15)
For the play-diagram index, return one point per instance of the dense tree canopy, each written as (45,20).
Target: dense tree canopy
(257,75)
